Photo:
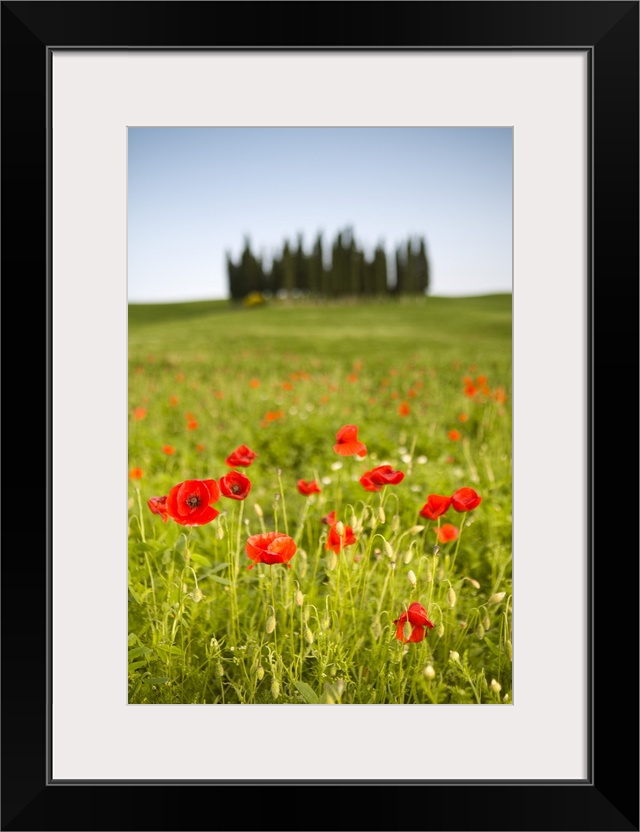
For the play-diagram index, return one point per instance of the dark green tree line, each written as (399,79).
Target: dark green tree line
(346,270)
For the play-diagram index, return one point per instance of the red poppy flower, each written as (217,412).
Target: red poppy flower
(308,487)
(136,473)
(330,518)
(270,548)
(192,424)
(435,507)
(158,505)
(465,499)
(455,435)
(139,413)
(416,615)
(348,443)
(241,457)
(234,485)
(169,450)
(190,503)
(447,533)
(378,477)
(404,409)
(337,541)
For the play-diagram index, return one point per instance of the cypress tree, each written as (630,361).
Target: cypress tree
(276,274)
(316,268)
(410,272)
(301,268)
(422,269)
(232,277)
(354,268)
(380,285)
(337,267)
(400,273)
(288,270)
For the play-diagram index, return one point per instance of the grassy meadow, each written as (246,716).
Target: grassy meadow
(427,383)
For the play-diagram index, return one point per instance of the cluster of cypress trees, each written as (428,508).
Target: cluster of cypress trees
(348,271)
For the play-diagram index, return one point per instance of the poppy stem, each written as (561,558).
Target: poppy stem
(235,560)
(303,519)
(273,604)
(455,553)
(284,504)
(142,534)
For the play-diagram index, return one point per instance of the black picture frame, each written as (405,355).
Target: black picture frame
(608,798)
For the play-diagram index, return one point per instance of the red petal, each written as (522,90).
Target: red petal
(350,449)
(417,634)
(347,433)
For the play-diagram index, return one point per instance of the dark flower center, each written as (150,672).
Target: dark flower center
(236,488)
(193,501)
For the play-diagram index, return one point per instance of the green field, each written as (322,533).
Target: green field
(428,384)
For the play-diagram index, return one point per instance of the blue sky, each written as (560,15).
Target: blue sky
(195,193)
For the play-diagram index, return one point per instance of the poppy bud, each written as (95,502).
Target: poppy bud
(219,669)
(332,560)
(326,622)
(495,686)
(480,631)
(454,656)
(411,577)
(451,597)
(407,630)
(308,635)
(258,510)
(275,688)
(440,630)
(408,555)
(271,624)
(509,651)
(416,529)
(197,594)
(395,523)
(381,514)
(473,583)
(340,528)
(260,673)
(306,614)
(388,549)
(429,672)
(299,597)
(486,623)
(496,598)
(220,532)
(302,563)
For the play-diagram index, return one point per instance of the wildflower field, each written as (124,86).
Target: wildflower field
(320,502)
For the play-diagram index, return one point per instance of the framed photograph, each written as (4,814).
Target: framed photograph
(139,651)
